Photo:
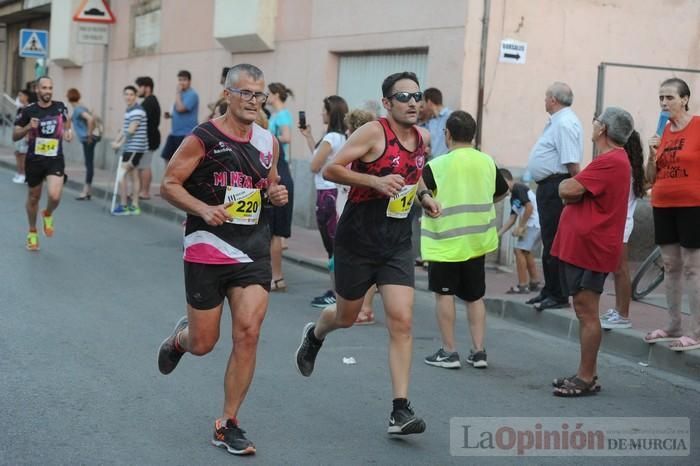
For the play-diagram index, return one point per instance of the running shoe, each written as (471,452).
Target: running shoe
(614,320)
(168,354)
(134,210)
(18,179)
(324,300)
(477,359)
(120,210)
(442,358)
(232,438)
(403,421)
(48,224)
(32,241)
(307,352)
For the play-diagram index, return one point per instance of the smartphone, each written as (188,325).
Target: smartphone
(302,119)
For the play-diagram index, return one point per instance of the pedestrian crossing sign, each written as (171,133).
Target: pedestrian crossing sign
(33,43)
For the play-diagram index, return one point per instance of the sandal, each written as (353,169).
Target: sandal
(365,318)
(276,286)
(659,335)
(534,286)
(561,381)
(575,387)
(518,289)
(685,343)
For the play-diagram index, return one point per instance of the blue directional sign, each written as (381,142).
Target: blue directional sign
(33,43)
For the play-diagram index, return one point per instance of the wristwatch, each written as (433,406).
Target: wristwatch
(423,193)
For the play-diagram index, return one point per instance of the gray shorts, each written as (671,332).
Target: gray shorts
(528,240)
(146,160)
(21,146)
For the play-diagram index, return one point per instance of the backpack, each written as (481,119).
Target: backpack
(98,128)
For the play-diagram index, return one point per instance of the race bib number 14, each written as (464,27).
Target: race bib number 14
(246,207)
(400,204)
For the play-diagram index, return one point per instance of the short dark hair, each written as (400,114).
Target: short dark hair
(461,126)
(505,173)
(25,92)
(433,94)
(390,80)
(184,74)
(145,81)
(73,95)
(681,87)
(130,88)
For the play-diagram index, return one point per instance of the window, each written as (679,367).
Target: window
(360,76)
(145,27)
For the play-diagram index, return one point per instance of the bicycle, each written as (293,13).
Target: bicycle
(649,275)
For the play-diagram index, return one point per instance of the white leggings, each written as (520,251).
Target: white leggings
(680,263)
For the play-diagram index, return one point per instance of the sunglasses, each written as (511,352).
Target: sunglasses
(404,97)
(248,95)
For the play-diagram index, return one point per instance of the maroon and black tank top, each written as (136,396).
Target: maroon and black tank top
(364,226)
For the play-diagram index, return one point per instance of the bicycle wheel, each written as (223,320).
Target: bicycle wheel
(649,276)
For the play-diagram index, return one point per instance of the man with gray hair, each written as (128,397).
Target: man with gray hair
(555,157)
(222,175)
(589,240)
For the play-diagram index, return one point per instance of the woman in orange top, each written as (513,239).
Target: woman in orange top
(674,170)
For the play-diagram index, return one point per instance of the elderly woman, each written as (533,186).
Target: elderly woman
(674,170)
(588,242)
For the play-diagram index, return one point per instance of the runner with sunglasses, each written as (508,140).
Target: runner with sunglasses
(373,236)
(221,175)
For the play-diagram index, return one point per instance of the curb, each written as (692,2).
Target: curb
(562,323)
(626,343)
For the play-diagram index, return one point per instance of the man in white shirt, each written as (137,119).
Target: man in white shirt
(555,156)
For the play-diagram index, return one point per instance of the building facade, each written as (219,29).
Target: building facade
(323,47)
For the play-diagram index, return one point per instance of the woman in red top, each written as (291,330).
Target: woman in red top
(674,170)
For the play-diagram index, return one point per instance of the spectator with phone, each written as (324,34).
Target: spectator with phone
(674,170)
(323,152)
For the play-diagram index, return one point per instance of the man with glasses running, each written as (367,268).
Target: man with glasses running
(373,236)
(221,176)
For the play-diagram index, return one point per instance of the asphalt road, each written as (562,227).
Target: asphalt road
(82,320)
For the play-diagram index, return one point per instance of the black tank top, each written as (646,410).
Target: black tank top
(229,162)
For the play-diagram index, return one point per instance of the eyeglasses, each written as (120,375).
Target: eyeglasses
(248,95)
(404,97)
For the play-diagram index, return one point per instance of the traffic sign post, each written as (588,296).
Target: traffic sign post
(33,43)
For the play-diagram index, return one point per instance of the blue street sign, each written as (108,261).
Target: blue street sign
(33,43)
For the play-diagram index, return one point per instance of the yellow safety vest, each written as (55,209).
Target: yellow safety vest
(465,180)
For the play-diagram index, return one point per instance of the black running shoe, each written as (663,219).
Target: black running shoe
(442,358)
(477,359)
(232,438)
(168,355)
(403,421)
(326,299)
(307,351)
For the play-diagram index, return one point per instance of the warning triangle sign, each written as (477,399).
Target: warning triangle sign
(33,44)
(94,11)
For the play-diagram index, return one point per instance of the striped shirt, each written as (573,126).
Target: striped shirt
(137,142)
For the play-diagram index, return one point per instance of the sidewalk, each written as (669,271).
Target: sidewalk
(305,248)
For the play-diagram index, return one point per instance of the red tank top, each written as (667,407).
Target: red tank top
(395,160)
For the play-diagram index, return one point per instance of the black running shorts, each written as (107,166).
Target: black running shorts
(574,279)
(206,285)
(38,168)
(355,274)
(133,157)
(466,280)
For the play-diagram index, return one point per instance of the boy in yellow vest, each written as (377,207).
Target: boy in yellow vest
(466,183)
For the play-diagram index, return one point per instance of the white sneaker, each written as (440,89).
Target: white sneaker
(614,320)
(19,179)
(608,314)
